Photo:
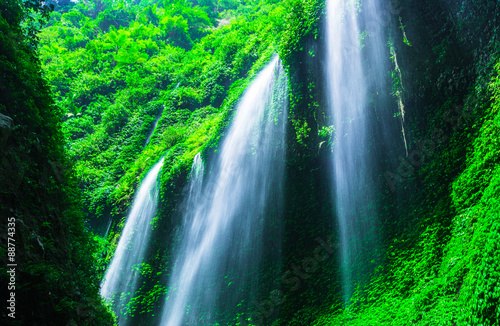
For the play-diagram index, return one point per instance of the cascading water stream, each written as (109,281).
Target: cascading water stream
(121,276)
(353,72)
(152,130)
(227,211)
(158,116)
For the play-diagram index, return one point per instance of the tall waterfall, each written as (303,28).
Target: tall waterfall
(228,212)
(120,281)
(356,69)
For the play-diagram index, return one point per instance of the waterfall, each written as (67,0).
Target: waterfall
(356,69)
(231,210)
(152,130)
(158,116)
(120,281)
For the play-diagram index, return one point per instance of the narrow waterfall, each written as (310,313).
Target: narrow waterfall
(195,182)
(158,116)
(230,214)
(152,130)
(355,68)
(120,281)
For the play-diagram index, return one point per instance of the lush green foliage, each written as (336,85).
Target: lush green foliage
(116,70)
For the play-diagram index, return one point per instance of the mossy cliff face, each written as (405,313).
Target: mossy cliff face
(53,278)
(440,209)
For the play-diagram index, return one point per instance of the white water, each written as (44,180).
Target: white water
(154,126)
(353,72)
(226,213)
(120,281)
(152,130)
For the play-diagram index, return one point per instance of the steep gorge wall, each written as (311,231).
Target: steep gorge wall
(52,279)
(434,210)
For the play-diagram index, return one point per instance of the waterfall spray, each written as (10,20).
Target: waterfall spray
(356,66)
(120,281)
(228,213)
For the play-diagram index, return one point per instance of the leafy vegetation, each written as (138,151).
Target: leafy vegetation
(114,75)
